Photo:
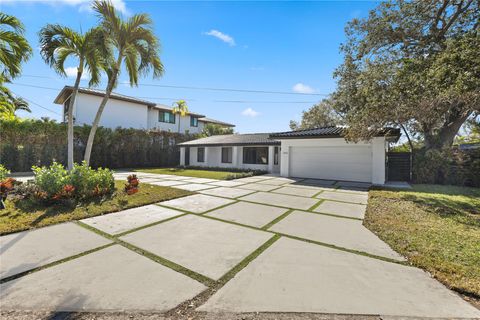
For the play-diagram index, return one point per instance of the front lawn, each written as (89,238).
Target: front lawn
(28,214)
(198,173)
(436,227)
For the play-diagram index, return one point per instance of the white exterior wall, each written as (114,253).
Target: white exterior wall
(117,113)
(377,147)
(213,158)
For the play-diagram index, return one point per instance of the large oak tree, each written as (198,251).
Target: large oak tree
(413,64)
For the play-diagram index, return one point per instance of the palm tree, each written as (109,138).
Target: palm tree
(14,47)
(181,108)
(57,44)
(134,42)
(9,104)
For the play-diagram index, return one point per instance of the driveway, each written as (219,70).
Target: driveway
(257,244)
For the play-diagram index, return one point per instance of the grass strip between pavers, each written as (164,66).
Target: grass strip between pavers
(165,262)
(54,263)
(276,220)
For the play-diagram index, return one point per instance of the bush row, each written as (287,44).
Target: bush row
(27,143)
(448,166)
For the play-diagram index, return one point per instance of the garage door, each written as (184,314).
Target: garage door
(352,163)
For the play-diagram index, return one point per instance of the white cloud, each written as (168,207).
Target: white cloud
(302,88)
(222,36)
(83,5)
(72,73)
(249,112)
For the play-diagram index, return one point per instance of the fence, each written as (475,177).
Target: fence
(399,166)
(40,142)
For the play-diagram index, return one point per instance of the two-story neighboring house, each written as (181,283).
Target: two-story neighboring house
(129,112)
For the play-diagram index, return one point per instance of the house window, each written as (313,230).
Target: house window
(200,154)
(227,155)
(166,116)
(275,155)
(193,121)
(255,155)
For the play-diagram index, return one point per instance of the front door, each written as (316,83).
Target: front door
(187,156)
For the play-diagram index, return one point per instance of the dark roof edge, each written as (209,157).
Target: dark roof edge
(66,91)
(208,120)
(386,132)
(271,143)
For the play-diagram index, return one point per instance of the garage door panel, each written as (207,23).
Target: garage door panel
(352,163)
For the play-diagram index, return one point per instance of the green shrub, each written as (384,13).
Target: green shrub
(447,166)
(3,172)
(51,180)
(56,183)
(89,182)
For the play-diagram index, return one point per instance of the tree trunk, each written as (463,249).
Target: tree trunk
(70,117)
(446,134)
(96,121)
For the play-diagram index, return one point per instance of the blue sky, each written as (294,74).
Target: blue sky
(271,46)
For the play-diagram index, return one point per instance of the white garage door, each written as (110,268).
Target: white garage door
(351,163)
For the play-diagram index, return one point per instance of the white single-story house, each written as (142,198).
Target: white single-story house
(320,153)
(129,112)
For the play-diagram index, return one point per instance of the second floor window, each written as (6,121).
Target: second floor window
(165,116)
(193,121)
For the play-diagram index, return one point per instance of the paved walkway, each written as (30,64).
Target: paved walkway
(263,243)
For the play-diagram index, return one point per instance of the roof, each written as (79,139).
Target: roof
(208,120)
(67,91)
(233,140)
(328,132)
(167,108)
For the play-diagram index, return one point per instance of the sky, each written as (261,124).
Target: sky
(288,47)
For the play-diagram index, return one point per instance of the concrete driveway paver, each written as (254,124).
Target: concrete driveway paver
(352,210)
(202,180)
(227,183)
(343,196)
(251,179)
(168,183)
(227,192)
(352,184)
(197,203)
(251,214)
(118,222)
(203,245)
(111,279)
(193,186)
(294,276)
(304,192)
(317,182)
(27,250)
(258,187)
(282,200)
(274,182)
(340,232)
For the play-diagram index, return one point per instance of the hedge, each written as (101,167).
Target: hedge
(448,166)
(24,143)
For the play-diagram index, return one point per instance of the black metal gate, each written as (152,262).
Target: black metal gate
(399,166)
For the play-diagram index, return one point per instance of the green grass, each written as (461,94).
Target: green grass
(197,173)
(436,227)
(28,214)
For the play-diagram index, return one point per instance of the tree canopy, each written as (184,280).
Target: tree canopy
(413,64)
(321,114)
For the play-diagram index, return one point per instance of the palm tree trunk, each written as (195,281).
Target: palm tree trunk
(96,121)
(70,117)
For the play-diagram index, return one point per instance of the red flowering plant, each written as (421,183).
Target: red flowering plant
(132,186)
(6,186)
